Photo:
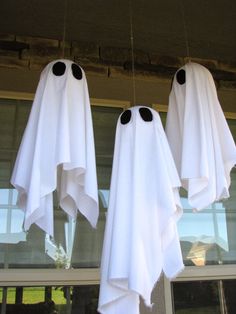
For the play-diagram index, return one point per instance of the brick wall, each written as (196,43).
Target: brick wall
(23,52)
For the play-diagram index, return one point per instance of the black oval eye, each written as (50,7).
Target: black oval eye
(146,114)
(125,117)
(59,68)
(180,76)
(76,71)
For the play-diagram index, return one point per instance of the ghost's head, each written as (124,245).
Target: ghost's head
(193,83)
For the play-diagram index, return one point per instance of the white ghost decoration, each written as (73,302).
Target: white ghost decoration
(141,237)
(57,149)
(199,137)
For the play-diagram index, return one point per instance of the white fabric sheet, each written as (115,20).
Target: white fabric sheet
(141,237)
(57,149)
(199,137)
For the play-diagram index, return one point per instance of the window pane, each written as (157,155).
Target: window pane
(75,243)
(50,300)
(196,297)
(4,196)
(33,295)
(208,237)
(204,235)
(229,288)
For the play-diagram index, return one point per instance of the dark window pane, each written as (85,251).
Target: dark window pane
(196,297)
(229,288)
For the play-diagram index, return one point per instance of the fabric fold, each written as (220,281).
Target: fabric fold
(57,149)
(199,137)
(144,207)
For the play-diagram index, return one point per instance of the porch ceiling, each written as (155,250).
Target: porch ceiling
(158,25)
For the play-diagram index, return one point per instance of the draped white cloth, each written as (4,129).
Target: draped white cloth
(57,149)
(199,137)
(141,238)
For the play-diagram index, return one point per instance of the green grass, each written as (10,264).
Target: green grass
(33,295)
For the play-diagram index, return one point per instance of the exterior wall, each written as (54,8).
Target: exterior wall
(109,75)
(108,69)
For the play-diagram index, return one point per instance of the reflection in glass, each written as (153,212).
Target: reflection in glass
(61,256)
(203,235)
(196,297)
(208,237)
(50,300)
(11,219)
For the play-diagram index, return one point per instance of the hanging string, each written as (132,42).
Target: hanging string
(132,51)
(64,28)
(185,31)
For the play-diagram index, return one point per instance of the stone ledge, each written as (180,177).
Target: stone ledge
(156,59)
(120,72)
(85,50)
(94,67)
(13,45)
(227,84)
(118,56)
(35,53)
(12,62)
(210,64)
(38,41)
(9,53)
(45,52)
(7,37)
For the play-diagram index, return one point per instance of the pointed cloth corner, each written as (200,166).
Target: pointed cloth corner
(57,149)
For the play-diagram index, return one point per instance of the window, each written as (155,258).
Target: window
(50,300)
(208,237)
(64,271)
(208,245)
(215,296)
(35,268)
(75,243)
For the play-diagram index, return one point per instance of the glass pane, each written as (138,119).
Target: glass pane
(204,235)
(208,237)
(196,297)
(49,300)
(33,295)
(4,196)
(229,288)
(75,243)
(3,219)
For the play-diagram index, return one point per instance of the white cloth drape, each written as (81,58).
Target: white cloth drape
(199,137)
(57,149)
(141,238)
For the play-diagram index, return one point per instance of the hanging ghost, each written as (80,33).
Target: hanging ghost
(199,137)
(141,238)
(57,149)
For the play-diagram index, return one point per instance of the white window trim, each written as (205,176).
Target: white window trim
(49,277)
(164,108)
(4,94)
